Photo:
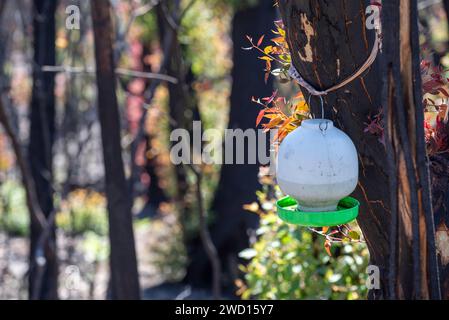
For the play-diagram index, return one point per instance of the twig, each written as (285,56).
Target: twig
(336,239)
(147,75)
(186,9)
(27,179)
(121,37)
(118,71)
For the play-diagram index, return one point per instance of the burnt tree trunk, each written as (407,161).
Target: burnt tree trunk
(238,182)
(413,265)
(43,282)
(440,199)
(124,282)
(329,41)
(178,104)
(183,107)
(156,194)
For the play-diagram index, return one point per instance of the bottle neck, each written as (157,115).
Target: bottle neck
(317,124)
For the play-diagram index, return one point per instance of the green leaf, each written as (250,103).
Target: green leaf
(354,235)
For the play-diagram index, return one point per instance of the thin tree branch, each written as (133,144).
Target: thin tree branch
(27,179)
(118,71)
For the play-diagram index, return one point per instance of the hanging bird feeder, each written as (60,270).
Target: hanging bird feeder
(318,168)
(318,165)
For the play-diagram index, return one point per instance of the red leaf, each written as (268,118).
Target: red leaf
(270,99)
(443,91)
(260,40)
(436,76)
(260,117)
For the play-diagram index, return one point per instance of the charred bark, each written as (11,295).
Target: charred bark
(238,182)
(180,102)
(414,274)
(124,282)
(43,274)
(440,198)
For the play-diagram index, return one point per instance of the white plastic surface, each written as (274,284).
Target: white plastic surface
(317,165)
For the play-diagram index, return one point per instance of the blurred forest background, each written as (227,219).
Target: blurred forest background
(193,232)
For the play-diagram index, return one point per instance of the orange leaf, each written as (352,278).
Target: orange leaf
(327,246)
(273,123)
(278,40)
(442,112)
(260,117)
(277,50)
(260,40)
(286,124)
(280,135)
(266,58)
(252,207)
(268,66)
(271,116)
(299,95)
(302,107)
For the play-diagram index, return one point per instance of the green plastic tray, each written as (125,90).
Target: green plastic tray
(348,210)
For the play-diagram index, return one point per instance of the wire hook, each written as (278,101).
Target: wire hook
(324,126)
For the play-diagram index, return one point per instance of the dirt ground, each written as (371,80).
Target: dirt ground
(82,277)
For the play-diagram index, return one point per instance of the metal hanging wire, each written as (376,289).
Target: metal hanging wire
(322,104)
(324,125)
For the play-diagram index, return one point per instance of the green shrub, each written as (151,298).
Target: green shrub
(95,247)
(290,262)
(14,218)
(83,211)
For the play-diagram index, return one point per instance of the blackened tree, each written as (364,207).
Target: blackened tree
(43,273)
(329,41)
(124,281)
(238,182)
